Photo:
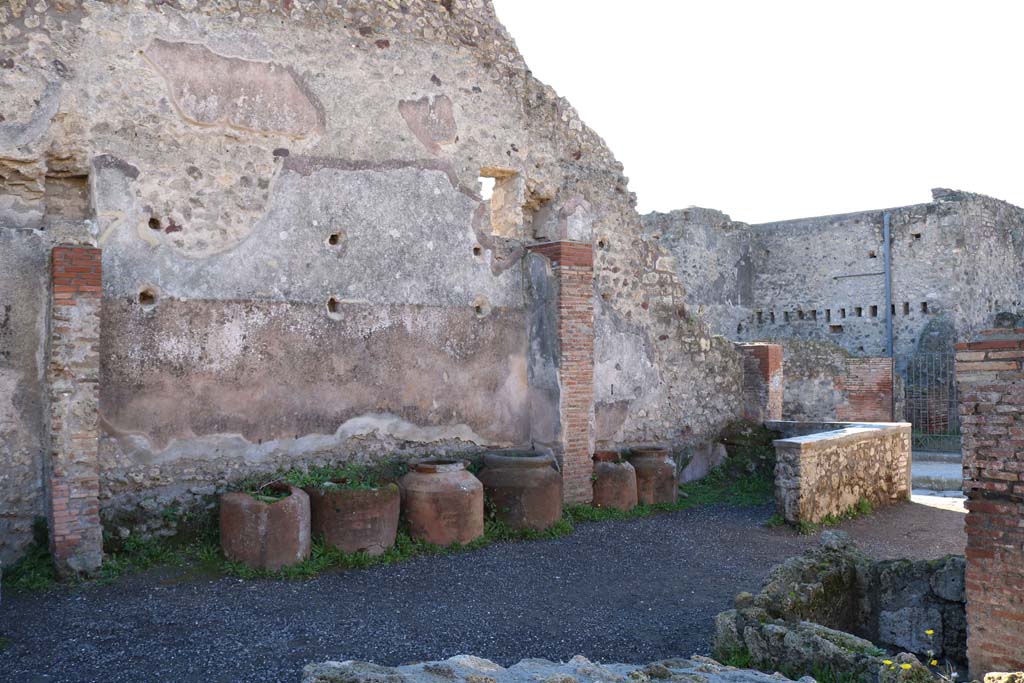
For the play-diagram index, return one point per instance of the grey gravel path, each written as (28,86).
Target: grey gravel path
(631,591)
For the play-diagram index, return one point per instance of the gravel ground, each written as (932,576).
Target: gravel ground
(631,591)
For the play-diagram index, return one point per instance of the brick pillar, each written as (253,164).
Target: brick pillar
(76,539)
(990,378)
(572,265)
(762,381)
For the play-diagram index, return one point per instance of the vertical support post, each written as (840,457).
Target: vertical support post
(76,538)
(990,380)
(762,381)
(572,269)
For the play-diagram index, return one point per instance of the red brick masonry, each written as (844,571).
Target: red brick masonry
(990,378)
(573,266)
(868,389)
(762,381)
(76,537)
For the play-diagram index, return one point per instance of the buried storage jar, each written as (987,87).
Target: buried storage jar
(614,482)
(444,504)
(524,488)
(355,518)
(655,476)
(267,528)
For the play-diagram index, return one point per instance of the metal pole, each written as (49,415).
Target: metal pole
(887,253)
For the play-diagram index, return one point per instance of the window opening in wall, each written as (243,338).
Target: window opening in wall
(858,311)
(924,306)
(873,311)
(842,312)
(486,187)
(835,329)
(906,308)
(872,254)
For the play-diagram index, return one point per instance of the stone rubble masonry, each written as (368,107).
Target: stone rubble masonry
(573,266)
(990,379)
(762,381)
(828,473)
(76,537)
(868,389)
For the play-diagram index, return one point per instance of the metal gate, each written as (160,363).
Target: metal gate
(931,402)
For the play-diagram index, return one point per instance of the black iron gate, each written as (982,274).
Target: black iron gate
(931,402)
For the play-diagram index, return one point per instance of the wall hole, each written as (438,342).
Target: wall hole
(872,254)
(147,297)
(154,223)
(924,306)
(916,235)
(858,311)
(828,315)
(842,312)
(873,311)
(835,329)
(785,316)
(335,239)
(486,187)
(771,317)
(892,309)
(477,250)
(814,314)
(482,307)
(739,328)
(800,315)
(906,308)
(760,318)
(333,305)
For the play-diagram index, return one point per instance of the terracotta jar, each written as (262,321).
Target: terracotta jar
(524,488)
(614,482)
(265,535)
(655,476)
(444,503)
(355,520)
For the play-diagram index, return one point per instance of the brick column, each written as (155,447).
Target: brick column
(990,378)
(762,381)
(76,538)
(572,264)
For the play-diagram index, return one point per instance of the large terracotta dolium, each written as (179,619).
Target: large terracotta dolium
(355,520)
(655,476)
(524,488)
(614,482)
(444,504)
(265,535)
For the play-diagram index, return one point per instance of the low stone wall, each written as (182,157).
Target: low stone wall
(835,608)
(827,473)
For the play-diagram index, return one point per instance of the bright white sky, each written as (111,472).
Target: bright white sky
(774,109)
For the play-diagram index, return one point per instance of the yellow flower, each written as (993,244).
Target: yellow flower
(935,662)
(905,666)
(929,632)
(887,662)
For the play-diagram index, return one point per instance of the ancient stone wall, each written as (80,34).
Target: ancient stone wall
(956,262)
(990,377)
(834,608)
(828,473)
(298,262)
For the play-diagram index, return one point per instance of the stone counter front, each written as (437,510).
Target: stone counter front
(830,472)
